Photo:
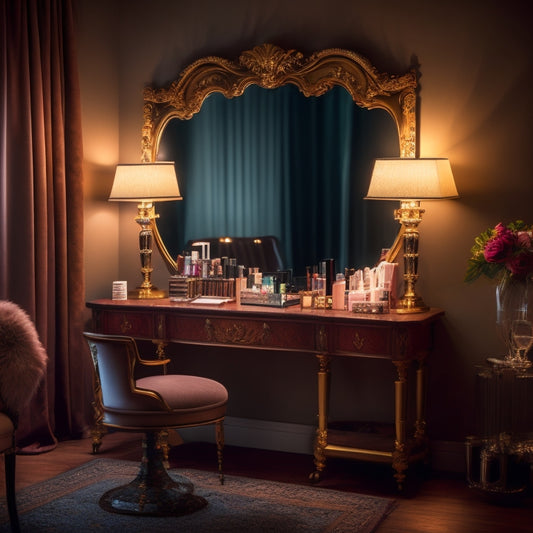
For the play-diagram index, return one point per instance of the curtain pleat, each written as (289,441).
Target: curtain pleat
(42,199)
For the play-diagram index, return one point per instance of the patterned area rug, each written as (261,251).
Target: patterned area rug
(69,502)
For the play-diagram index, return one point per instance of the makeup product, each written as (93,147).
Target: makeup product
(338,292)
(120,290)
(314,278)
(187,265)
(328,272)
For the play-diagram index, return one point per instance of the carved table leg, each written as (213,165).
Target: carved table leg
(322,430)
(399,456)
(97,432)
(420,423)
(160,351)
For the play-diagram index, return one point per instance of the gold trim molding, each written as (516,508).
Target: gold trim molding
(239,334)
(270,66)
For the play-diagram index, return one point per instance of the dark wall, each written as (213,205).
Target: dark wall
(475,61)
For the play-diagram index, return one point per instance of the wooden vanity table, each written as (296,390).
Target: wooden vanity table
(404,339)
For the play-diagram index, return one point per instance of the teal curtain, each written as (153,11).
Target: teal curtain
(320,175)
(271,163)
(236,178)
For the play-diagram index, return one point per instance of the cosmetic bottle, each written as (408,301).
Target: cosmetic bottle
(314,278)
(258,277)
(187,264)
(194,267)
(339,288)
(328,273)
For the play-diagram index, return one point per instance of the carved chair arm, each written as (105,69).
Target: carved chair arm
(154,362)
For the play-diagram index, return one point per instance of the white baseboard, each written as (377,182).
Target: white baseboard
(446,456)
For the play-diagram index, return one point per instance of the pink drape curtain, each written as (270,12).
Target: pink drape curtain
(41,207)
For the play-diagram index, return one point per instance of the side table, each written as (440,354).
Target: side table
(499,458)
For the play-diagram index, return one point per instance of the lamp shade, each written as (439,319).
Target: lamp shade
(147,182)
(410,178)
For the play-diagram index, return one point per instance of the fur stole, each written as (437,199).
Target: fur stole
(23,358)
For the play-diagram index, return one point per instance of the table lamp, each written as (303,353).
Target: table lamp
(145,183)
(411,180)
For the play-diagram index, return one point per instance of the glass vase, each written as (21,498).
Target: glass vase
(514,318)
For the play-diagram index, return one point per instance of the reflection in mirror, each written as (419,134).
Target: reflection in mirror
(308,189)
(273,162)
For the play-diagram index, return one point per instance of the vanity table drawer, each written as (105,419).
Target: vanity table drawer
(273,334)
(395,341)
(134,324)
(367,340)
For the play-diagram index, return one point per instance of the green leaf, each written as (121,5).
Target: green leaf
(477,264)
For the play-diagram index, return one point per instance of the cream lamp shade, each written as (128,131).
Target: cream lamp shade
(147,182)
(406,178)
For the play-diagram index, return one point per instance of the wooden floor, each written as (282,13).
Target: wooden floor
(430,504)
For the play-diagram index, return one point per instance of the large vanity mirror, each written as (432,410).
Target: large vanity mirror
(312,126)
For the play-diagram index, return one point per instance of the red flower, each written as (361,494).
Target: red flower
(524,240)
(521,264)
(505,250)
(499,249)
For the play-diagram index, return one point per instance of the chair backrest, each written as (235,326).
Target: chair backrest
(114,358)
(23,358)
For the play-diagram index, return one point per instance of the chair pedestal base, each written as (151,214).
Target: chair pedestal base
(153,492)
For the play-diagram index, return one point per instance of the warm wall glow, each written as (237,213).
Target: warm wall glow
(475,108)
(101,248)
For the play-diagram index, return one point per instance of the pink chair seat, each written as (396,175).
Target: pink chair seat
(190,399)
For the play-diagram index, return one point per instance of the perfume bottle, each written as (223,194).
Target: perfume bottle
(339,290)
(328,273)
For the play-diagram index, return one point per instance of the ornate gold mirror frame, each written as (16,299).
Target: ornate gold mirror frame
(270,66)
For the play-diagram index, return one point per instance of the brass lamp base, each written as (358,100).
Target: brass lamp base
(410,305)
(409,216)
(141,293)
(146,291)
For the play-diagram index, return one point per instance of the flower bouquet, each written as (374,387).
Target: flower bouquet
(505,253)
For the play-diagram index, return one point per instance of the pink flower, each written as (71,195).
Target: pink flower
(521,264)
(505,250)
(523,239)
(500,247)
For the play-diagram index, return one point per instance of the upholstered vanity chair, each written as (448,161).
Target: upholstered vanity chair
(150,405)
(22,366)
